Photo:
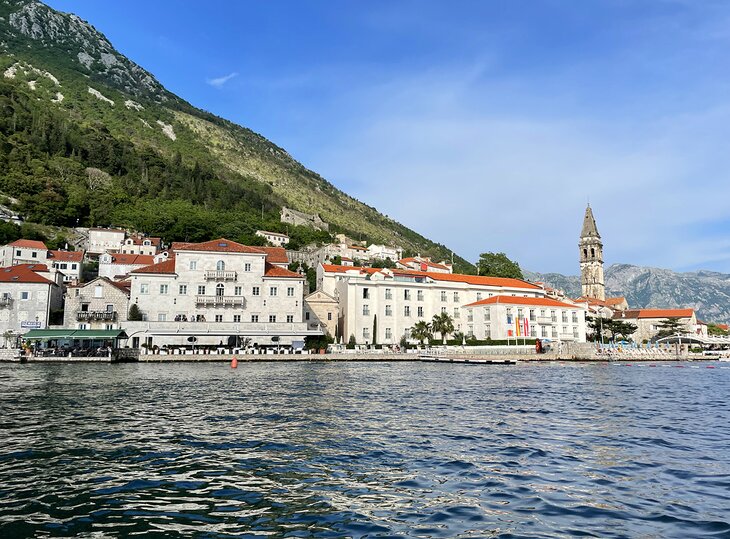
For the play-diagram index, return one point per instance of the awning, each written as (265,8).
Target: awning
(82,334)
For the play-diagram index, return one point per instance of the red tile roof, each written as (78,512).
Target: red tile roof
(67,256)
(221,245)
(275,255)
(517,300)
(168,267)
(29,244)
(665,313)
(615,301)
(23,273)
(412,260)
(276,271)
(450,277)
(128,259)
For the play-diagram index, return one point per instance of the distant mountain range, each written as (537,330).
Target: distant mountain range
(708,292)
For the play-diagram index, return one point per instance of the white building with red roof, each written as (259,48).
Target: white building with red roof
(512,317)
(649,321)
(28,295)
(401,297)
(118,265)
(419,263)
(99,304)
(219,290)
(69,263)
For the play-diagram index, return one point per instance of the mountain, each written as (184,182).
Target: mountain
(90,138)
(708,292)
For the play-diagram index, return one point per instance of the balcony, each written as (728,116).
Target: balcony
(545,320)
(82,316)
(220,301)
(214,275)
(6,302)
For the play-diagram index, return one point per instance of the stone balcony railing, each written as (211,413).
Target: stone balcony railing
(546,320)
(6,302)
(96,315)
(220,301)
(215,275)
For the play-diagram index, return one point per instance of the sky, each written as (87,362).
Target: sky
(484,125)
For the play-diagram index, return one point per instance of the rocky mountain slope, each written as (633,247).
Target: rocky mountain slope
(88,137)
(706,291)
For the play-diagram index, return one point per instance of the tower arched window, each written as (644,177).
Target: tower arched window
(593,253)
(219,289)
(585,253)
(220,266)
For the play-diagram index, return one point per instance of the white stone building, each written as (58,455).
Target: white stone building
(218,291)
(382,252)
(321,311)
(137,244)
(69,263)
(274,238)
(400,298)
(117,265)
(98,304)
(102,240)
(649,321)
(419,263)
(27,297)
(509,317)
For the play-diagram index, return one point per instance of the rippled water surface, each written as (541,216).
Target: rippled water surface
(364,450)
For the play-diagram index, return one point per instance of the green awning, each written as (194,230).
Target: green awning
(87,334)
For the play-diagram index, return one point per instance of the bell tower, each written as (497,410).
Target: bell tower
(590,247)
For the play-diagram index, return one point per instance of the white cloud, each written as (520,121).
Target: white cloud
(220,81)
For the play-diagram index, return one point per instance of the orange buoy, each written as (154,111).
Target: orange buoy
(234,363)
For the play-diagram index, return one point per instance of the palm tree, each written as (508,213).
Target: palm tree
(421,331)
(443,324)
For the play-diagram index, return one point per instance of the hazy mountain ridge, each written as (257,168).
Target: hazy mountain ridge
(706,291)
(91,86)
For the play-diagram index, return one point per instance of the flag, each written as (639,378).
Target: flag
(517,323)
(510,323)
(526,326)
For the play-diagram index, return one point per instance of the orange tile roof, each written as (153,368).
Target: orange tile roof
(666,313)
(29,244)
(168,267)
(23,273)
(67,256)
(220,245)
(410,260)
(128,259)
(517,300)
(276,271)
(275,255)
(503,282)
(615,301)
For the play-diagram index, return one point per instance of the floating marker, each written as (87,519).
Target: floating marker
(234,363)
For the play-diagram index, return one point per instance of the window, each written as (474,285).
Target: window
(290,292)
(193,264)
(83,326)
(247,267)
(34,254)
(272,318)
(565,317)
(329,316)
(201,289)
(487,314)
(17,252)
(388,333)
(532,315)
(366,310)
(365,333)
(553,317)
(407,294)
(144,288)
(575,317)
(365,293)
(219,318)
(520,314)
(575,332)
(220,290)
(84,307)
(388,293)
(306,315)
(457,313)
(272,291)
(109,308)
(456,297)
(419,295)
(254,318)
(420,312)
(388,310)
(406,311)
(24,295)
(163,289)
(289,318)
(183,289)
(443,309)
(255,291)
(98,291)
(109,326)
(73,266)
(555,332)
(236,318)
(544,331)
(238,290)
(220,266)
(162,317)
(479,296)
(443,295)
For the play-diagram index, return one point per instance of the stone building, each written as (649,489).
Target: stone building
(322,311)
(591,259)
(103,240)
(276,239)
(648,321)
(28,295)
(298,218)
(116,265)
(98,304)
(69,263)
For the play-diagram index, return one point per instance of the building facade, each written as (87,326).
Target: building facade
(98,304)
(217,291)
(590,249)
(274,238)
(69,263)
(117,265)
(322,311)
(28,295)
(649,321)
(102,240)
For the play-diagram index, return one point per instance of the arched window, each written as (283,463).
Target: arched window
(593,253)
(585,253)
(219,289)
(220,266)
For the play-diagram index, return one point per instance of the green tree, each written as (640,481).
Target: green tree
(498,265)
(442,323)
(715,329)
(375,329)
(598,327)
(668,327)
(135,315)
(623,329)
(421,331)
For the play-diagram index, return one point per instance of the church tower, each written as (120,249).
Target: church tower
(591,259)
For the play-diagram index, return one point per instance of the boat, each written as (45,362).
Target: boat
(464,360)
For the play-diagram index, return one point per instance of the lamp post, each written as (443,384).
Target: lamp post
(679,344)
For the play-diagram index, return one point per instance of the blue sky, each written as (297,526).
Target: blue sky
(483,125)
